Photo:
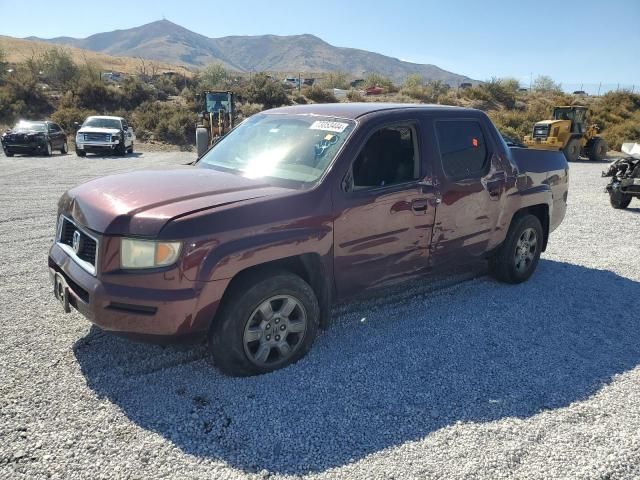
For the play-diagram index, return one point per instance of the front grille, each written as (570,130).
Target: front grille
(86,248)
(97,137)
(540,131)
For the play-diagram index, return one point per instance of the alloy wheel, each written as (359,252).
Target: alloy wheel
(526,249)
(275,330)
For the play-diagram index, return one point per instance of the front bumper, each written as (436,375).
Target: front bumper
(155,314)
(549,143)
(30,147)
(94,147)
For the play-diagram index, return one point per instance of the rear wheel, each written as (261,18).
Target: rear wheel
(269,321)
(618,199)
(518,256)
(131,148)
(65,148)
(572,150)
(598,149)
(202,140)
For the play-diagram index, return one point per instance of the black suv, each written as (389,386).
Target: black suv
(34,137)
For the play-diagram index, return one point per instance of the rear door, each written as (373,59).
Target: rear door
(385,212)
(471,184)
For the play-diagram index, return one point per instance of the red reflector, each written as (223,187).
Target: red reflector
(474,142)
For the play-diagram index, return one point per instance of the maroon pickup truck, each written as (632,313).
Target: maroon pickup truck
(293,210)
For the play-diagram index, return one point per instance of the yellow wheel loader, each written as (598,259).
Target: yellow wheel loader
(569,133)
(217,118)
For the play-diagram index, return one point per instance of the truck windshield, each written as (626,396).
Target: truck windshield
(102,122)
(217,102)
(287,147)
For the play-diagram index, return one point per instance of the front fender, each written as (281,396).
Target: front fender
(224,260)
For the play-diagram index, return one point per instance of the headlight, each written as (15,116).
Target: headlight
(148,253)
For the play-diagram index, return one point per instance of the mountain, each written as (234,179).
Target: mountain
(19,49)
(167,42)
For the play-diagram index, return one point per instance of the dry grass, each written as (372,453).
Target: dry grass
(18,50)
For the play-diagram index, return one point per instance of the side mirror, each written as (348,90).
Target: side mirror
(125,128)
(76,125)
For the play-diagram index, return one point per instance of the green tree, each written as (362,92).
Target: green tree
(58,67)
(546,84)
(213,77)
(263,89)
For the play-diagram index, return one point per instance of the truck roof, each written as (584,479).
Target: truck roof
(105,116)
(356,110)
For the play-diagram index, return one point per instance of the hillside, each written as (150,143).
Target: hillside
(18,50)
(167,42)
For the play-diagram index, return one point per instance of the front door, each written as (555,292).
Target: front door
(386,212)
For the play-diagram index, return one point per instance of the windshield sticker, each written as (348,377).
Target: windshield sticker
(337,127)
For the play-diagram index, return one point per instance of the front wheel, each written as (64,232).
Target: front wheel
(121,149)
(572,150)
(598,149)
(619,200)
(8,153)
(81,153)
(518,256)
(49,151)
(269,321)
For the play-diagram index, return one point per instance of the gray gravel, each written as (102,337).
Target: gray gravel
(471,380)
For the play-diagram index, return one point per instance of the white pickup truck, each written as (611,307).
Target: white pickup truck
(100,134)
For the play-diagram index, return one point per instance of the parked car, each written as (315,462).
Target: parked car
(294,209)
(377,90)
(101,134)
(291,82)
(34,137)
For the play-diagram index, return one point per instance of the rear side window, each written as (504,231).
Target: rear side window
(463,148)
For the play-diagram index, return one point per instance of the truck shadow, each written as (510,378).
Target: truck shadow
(380,377)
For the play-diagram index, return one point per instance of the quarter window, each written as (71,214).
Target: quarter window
(463,149)
(389,157)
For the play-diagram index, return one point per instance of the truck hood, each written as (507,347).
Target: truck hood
(141,203)
(111,131)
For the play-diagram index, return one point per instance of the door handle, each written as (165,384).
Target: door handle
(420,205)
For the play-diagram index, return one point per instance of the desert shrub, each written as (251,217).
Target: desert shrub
(263,89)
(502,91)
(135,92)
(164,122)
(95,95)
(213,77)
(318,94)
(335,80)
(245,110)
(376,80)
(67,116)
(355,96)
(20,96)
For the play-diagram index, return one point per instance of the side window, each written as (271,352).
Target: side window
(53,128)
(463,148)
(389,157)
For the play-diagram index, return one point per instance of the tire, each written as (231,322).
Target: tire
(518,256)
(202,141)
(49,151)
(121,149)
(65,148)
(8,153)
(572,150)
(80,153)
(242,332)
(619,200)
(597,151)
(131,148)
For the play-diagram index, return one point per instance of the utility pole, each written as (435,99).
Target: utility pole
(600,85)
(531,82)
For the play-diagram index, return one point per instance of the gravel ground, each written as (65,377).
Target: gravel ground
(471,380)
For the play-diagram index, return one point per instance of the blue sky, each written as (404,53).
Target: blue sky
(574,42)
